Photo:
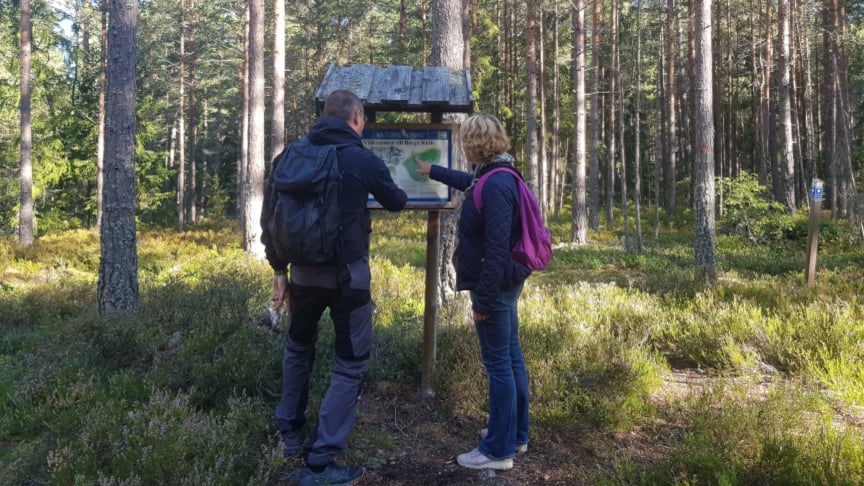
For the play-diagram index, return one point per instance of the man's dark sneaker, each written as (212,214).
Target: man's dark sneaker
(290,442)
(332,475)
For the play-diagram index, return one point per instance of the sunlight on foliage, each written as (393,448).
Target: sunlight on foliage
(185,389)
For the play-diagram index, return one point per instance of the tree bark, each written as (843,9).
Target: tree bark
(637,189)
(852,210)
(669,155)
(181,131)
(193,120)
(26,223)
(829,103)
(758,153)
(254,187)
(100,143)
(118,265)
(448,50)
(447,41)
(277,121)
(806,98)
(542,155)
(556,177)
(467,23)
(687,99)
(243,163)
(424,8)
(769,90)
(788,141)
(531,162)
(612,146)
(594,128)
(661,151)
(579,226)
(403,31)
(703,151)
(625,213)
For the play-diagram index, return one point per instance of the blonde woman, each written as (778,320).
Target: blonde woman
(485,268)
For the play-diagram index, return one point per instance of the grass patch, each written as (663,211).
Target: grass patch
(183,391)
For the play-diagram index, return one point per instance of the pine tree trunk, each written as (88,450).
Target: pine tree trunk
(625,211)
(669,156)
(765,100)
(531,162)
(579,227)
(243,163)
(307,73)
(829,115)
(637,189)
(254,187)
(193,120)
(594,125)
(181,131)
(277,120)
(806,100)
(447,50)
(556,117)
(788,152)
(467,23)
(613,143)
(117,288)
(424,9)
(731,140)
(403,31)
(663,130)
(847,201)
(100,143)
(543,156)
(687,97)
(25,216)
(703,151)
(772,101)
(758,154)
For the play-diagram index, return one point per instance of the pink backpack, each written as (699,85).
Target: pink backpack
(534,248)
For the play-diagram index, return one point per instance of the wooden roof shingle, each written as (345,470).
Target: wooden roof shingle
(401,88)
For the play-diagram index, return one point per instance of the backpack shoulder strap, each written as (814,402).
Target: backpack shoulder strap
(478,187)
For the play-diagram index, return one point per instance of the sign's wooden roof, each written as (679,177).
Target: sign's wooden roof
(401,88)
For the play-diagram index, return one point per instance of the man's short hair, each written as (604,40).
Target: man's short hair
(342,104)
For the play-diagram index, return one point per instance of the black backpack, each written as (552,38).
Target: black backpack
(306,204)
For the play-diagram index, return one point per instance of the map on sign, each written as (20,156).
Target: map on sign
(399,148)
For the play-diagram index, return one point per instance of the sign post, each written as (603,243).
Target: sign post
(813,229)
(399,146)
(430,311)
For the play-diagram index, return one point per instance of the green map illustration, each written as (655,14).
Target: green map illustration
(431,156)
(400,156)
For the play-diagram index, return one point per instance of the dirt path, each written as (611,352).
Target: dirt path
(402,439)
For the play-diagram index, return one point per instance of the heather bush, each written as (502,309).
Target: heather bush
(183,391)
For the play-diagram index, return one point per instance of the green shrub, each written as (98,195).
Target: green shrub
(587,367)
(748,208)
(184,390)
(207,333)
(165,440)
(707,332)
(785,437)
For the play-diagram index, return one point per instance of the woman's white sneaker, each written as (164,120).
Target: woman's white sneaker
(477,460)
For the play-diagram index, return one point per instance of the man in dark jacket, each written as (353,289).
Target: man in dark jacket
(344,288)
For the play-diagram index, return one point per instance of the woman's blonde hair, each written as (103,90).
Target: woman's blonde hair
(484,137)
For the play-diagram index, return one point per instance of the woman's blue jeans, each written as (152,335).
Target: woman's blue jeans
(507,375)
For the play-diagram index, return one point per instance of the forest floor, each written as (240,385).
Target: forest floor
(404,439)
